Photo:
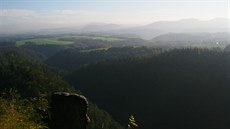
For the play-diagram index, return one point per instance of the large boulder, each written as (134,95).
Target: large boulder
(68,111)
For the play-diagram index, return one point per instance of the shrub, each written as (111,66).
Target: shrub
(18,113)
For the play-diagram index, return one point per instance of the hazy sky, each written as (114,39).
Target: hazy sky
(58,13)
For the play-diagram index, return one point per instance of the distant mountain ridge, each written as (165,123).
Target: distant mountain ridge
(181,26)
(192,36)
(148,31)
(100,27)
(152,30)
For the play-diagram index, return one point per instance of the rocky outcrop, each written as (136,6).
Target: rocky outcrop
(68,111)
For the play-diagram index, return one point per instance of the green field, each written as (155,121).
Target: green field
(95,38)
(56,41)
(43,41)
(97,49)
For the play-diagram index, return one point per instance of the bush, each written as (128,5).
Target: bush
(18,113)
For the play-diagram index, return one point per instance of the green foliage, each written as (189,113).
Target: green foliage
(18,113)
(132,123)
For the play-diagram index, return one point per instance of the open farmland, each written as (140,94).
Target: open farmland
(43,41)
(63,40)
(94,38)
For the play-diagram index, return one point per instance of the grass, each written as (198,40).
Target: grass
(97,49)
(107,38)
(56,41)
(95,38)
(43,41)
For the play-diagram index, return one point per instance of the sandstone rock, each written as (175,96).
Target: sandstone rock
(68,111)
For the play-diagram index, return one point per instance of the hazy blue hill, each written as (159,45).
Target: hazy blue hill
(191,25)
(227,48)
(192,37)
(97,27)
(151,30)
(180,26)
(180,89)
(205,40)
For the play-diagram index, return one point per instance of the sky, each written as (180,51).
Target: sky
(22,15)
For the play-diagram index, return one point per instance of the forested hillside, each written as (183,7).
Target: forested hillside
(178,89)
(72,59)
(34,80)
